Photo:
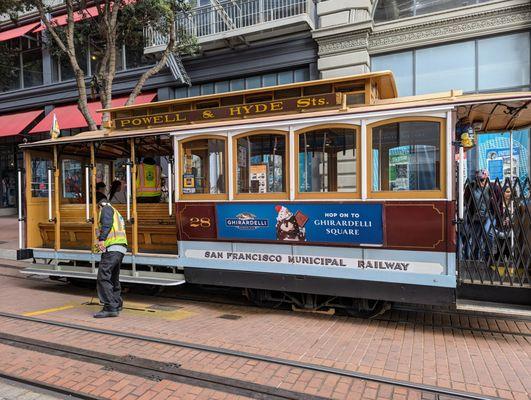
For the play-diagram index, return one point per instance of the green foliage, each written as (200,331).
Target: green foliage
(132,18)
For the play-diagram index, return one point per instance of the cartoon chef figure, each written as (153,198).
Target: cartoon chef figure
(288,227)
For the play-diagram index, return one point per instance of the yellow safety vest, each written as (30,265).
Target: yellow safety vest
(117,234)
(148,181)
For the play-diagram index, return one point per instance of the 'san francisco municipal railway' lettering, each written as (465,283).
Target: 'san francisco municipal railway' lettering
(318,261)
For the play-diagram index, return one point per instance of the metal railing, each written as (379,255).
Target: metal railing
(224,16)
(495,233)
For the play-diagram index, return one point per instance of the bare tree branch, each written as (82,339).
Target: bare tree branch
(158,66)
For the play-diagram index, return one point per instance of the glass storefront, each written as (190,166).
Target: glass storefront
(499,63)
(8,176)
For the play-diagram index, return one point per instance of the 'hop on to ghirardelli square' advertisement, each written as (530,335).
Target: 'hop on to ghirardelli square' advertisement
(355,224)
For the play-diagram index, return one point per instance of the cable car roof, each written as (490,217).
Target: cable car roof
(495,111)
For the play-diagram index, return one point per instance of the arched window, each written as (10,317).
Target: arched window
(203,166)
(405,156)
(389,10)
(260,162)
(327,162)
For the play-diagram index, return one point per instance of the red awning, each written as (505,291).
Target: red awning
(89,12)
(17,32)
(69,117)
(13,124)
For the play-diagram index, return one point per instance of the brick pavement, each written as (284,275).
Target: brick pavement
(491,364)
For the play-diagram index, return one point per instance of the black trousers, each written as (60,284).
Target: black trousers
(109,290)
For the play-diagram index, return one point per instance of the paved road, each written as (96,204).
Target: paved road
(477,361)
(15,391)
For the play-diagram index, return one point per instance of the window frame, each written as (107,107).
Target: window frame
(408,194)
(329,195)
(72,200)
(265,196)
(29,157)
(202,196)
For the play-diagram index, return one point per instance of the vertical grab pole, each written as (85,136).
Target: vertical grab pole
(128,192)
(87,191)
(50,215)
(134,218)
(511,186)
(94,204)
(57,204)
(20,218)
(170,188)
(461,183)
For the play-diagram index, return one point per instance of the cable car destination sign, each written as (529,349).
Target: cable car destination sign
(239,111)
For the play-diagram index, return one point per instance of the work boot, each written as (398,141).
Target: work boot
(106,314)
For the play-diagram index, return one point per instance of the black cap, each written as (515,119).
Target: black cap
(100,197)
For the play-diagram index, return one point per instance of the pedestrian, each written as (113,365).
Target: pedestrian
(116,195)
(112,242)
(504,227)
(148,182)
(482,201)
(101,187)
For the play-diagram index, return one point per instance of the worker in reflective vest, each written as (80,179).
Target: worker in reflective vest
(148,186)
(112,242)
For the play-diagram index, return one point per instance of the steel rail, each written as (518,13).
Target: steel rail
(379,319)
(47,388)
(257,357)
(156,370)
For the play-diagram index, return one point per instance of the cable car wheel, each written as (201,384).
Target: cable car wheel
(364,308)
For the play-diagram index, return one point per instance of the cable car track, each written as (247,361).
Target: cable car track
(392,316)
(161,370)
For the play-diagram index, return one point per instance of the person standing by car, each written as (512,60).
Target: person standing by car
(112,242)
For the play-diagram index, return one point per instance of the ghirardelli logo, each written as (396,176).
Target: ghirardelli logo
(246,221)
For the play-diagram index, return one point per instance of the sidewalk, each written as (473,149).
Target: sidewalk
(8,237)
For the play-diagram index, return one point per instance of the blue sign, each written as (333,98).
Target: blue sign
(301,222)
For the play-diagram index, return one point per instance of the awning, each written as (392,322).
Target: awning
(61,20)
(13,124)
(17,32)
(89,12)
(69,117)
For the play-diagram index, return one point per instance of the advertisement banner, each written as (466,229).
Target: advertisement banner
(354,224)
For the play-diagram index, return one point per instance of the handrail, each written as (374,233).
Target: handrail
(20,218)
(87,193)
(50,215)
(230,15)
(170,189)
(128,189)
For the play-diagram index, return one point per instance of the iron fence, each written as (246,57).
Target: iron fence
(494,235)
(224,16)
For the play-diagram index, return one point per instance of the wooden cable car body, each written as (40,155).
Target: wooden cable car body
(364,234)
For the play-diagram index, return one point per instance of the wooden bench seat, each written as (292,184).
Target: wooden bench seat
(157,232)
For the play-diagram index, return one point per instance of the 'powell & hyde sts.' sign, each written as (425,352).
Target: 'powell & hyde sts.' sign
(231,112)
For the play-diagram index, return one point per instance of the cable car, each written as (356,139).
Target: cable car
(328,193)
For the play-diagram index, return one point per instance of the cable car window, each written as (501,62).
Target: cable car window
(72,177)
(261,163)
(39,177)
(406,156)
(203,167)
(327,160)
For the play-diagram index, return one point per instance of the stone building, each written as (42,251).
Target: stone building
(430,45)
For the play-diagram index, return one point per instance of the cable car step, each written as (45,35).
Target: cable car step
(126,276)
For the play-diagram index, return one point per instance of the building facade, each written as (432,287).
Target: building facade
(431,46)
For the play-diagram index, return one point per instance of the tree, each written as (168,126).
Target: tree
(109,25)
